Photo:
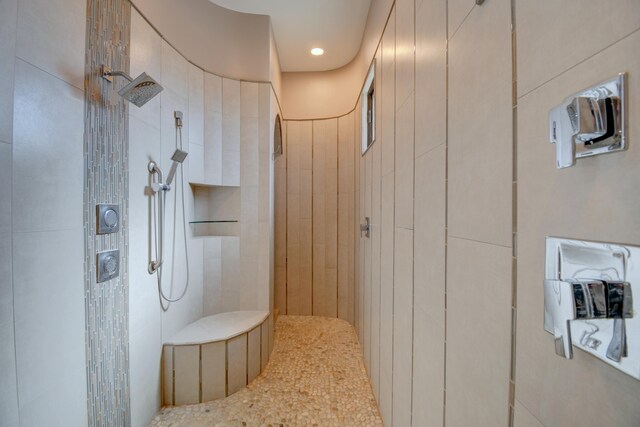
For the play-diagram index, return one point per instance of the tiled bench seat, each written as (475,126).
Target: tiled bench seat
(215,356)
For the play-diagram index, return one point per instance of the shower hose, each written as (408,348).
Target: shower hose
(162,199)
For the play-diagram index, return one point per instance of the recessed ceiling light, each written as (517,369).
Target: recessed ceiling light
(317,51)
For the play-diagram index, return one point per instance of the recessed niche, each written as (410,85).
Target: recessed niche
(217,210)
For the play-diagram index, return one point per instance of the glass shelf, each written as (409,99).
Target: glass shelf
(214,221)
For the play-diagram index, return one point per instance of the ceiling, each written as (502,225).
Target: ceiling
(336,26)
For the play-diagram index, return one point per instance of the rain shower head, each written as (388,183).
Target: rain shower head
(178,157)
(138,91)
(141,90)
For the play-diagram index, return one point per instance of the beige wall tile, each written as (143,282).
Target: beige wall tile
(478,333)
(9,392)
(249,156)
(213,92)
(431,74)
(146,56)
(374,372)
(214,374)
(559,203)
(457,11)
(253,354)
(236,363)
(231,167)
(402,326)
(48,132)
(480,127)
(404,158)
(405,50)
(542,25)
(195,163)
(386,296)
(8,18)
(249,99)
(368,261)
(213,129)
(264,343)
(186,363)
(196,105)
(175,75)
(167,375)
(230,114)
(524,418)
(387,95)
(51,36)
(429,288)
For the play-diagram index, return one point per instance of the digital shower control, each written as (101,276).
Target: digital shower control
(108,219)
(108,265)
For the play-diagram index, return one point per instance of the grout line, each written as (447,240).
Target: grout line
(461,22)
(577,64)
(413,219)
(393,244)
(478,241)
(446,211)
(514,221)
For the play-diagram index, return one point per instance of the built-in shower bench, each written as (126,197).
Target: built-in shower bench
(215,356)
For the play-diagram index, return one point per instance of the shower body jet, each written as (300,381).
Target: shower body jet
(139,91)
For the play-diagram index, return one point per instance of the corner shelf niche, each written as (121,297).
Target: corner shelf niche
(217,210)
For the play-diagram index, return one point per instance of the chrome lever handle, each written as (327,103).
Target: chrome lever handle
(559,305)
(581,300)
(366,227)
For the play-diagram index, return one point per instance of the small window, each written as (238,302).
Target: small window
(277,138)
(368,98)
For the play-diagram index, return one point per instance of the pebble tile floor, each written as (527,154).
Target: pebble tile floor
(315,377)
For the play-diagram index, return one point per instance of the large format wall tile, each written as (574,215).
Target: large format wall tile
(146,57)
(8,16)
(480,126)
(196,105)
(345,226)
(523,418)
(429,288)
(175,70)
(386,294)
(404,156)
(144,371)
(51,36)
(47,133)
(405,50)
(9,391)
(457,12)
(431,75)
(49,321)
(571,203)
(402,326)
(478,333)
(387,95)
(555,36)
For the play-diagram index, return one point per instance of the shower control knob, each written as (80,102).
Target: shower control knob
(108,265)
(108,220)
(111,218)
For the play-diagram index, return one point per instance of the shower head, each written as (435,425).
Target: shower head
(141,90)
(178,157)
(138,91)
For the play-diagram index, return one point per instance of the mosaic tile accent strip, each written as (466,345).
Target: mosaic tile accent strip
(106,181)
(316,377)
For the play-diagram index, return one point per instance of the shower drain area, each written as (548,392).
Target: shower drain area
(315,377)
